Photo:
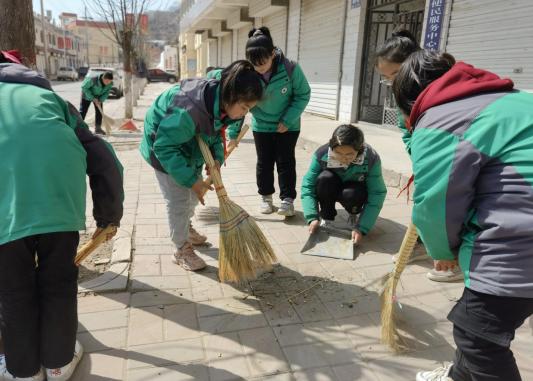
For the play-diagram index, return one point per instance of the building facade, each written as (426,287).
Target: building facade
(65,48)
(335,41)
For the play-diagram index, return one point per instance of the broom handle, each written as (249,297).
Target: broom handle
(208,180)
(93,244)
(406,249)
(215,174)
(104,116)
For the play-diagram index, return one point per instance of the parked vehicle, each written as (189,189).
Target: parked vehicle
(118,83)
(82,72)
(67,73)
(158,75)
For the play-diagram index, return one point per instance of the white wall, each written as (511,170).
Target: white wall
(293,32)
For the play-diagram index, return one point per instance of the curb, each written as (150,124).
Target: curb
(117,276)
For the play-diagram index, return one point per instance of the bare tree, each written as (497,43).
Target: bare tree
(18,29)
(123,18)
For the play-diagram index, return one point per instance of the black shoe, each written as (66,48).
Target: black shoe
(99,131)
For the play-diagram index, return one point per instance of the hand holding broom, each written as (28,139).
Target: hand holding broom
(243,247)
(208,180)
(100,236)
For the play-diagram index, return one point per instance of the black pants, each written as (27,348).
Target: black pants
(38,301)
(276,148)
(84,107)
(484,326)
(330,189)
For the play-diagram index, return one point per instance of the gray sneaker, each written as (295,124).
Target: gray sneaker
(445,276)
(267,206)
(286,208)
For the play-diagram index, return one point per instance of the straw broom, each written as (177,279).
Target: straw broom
(243,248)
(93,244)
(389,332)
(108,121)
(208,180)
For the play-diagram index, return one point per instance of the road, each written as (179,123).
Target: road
(71,91)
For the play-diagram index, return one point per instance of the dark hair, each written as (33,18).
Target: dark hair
(107,75)
(259,46)
(240,83)
(416,73)
(398,47)
(347,135)
(208,69)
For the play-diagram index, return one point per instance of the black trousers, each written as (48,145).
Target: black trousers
(483,328)
(38,302)
(276,148)
(84,107)
(330,189)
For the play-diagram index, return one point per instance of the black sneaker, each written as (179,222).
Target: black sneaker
(99,131)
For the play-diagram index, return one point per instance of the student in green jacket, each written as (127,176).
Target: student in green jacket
(96,90)
(199,106)
(390,56)
(348,171)
(276,119)
(47,152)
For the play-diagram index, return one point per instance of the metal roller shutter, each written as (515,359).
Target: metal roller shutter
(320,51)
(242,39)
(213,53)
(495,35)
(277,23)
(226,50)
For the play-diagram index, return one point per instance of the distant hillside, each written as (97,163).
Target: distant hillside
(163,25)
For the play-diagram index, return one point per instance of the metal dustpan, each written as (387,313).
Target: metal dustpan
(330,242)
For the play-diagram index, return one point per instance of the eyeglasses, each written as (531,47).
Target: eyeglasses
(386,82)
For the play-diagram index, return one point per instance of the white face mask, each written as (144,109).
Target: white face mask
(334,162)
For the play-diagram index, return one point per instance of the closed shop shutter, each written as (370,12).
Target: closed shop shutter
(213,53)
(277,23)
(320,51)
(495,35)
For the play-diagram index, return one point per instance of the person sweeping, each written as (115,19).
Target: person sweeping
(348,171)
(472,153)
(275,119)
(47,151)
(389,58)
(195,106)
(96,90)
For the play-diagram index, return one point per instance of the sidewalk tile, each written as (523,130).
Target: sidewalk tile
(263,352)
(103,320)
(167,353)
(186,372)
(145,326)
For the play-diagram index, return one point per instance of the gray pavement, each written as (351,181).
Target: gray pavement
(311,318)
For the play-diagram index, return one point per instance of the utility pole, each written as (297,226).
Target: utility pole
(46,62)
(87,34)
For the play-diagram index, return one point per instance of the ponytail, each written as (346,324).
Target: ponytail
(240,83)
(259,46)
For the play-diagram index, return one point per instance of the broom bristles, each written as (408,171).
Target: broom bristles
(243,247)
(389,332)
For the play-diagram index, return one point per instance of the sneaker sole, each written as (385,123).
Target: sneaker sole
(68,375)
(286,213)
(450,279)
(185,267)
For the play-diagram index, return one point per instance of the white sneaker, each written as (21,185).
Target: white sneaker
(65,372)
(419,254)
(326,223)
(267,206)
(439,374)
(286,208)
(6,376)
(445,276)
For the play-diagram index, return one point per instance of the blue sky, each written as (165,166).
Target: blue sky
(77,6)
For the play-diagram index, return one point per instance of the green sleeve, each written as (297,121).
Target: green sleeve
(301,93)
(214,74)
(406,135)
(376,191)
(175,130)
(432,155)
(86,88)
(234,129)
(309,201)
(105,94)
(218,148)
